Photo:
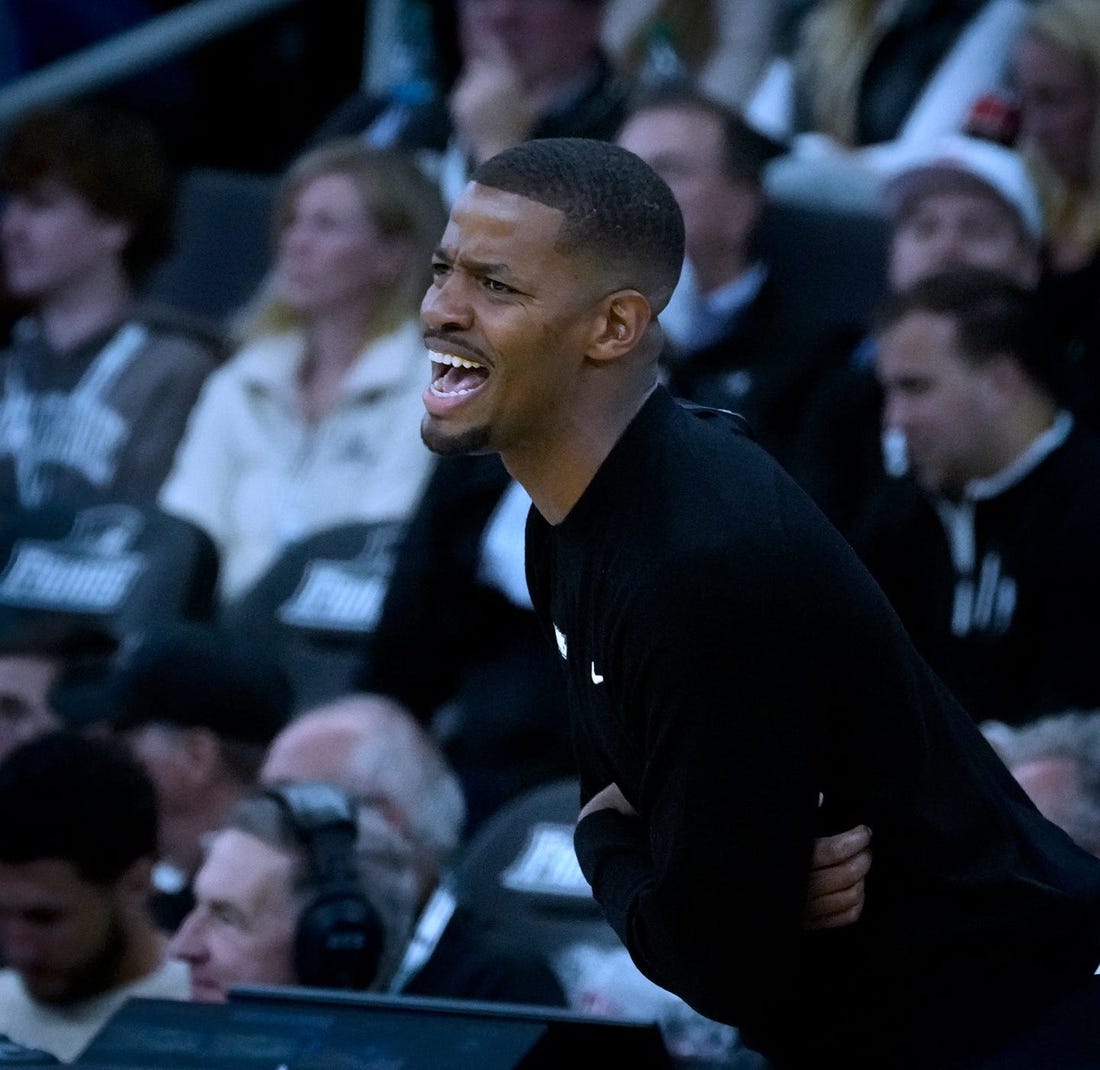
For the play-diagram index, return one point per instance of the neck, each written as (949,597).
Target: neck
(1034,418)
(336,338)
(556,474)
(333,343)
(83,308)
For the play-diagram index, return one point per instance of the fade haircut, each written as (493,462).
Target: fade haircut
(993,315)
(619,212)
(79,799)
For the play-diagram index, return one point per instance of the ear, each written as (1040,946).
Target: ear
(621,321)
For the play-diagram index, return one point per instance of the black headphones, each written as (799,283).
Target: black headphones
(339,937)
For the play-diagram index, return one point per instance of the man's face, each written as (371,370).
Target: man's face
(507,302)
(959,229)
(1059,100)
(25,712)
(52,238)
(943,405)
(685,147)
(547,40)
(62,934)
(241,930)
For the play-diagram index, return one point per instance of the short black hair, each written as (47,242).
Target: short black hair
(618,210)
(993,314)
(81,799)
(746,150)
(112,158)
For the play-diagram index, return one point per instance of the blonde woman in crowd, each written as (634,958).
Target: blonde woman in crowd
(1057,72)
(869,82)
(1057,77)
(315,421)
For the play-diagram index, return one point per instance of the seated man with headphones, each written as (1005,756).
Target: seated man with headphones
(300,887)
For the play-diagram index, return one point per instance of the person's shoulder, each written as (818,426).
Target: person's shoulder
(1069,478)
(10,985)
(170,980)
(14,1054)
(496,964)
(179,336)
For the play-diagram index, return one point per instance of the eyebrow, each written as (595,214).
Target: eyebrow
(476,267)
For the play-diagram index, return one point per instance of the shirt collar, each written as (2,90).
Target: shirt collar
(1040,448)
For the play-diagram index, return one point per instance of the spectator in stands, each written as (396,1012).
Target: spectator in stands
(527,70)
(988,551)
(871,79)
(198,708)
(724,45)
(739,343)
(375,750)
(38,651)
(959,202)
(1056,759)
(1057,74)
(301,886)
(313,423)
(78,837)
(94,390)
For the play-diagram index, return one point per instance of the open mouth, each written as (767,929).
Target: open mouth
(454,376)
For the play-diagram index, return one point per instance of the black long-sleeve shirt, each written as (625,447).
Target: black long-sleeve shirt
(727,659)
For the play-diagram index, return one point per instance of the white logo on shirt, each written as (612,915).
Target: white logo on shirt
(563,646)
(597,678)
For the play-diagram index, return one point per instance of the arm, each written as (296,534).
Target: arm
(838,868)
(199,484)
(181,368)
(742,678)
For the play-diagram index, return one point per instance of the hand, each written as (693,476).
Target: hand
(839,865)
(608,799)
(490,108)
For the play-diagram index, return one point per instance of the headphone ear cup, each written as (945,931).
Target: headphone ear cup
(338,943)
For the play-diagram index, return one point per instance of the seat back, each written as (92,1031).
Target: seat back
(223,243)
(520,871)
(317,606)
(830,262)
(120,565)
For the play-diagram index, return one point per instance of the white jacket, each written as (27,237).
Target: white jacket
(255,475)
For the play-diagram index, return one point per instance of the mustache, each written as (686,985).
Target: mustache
(454,337)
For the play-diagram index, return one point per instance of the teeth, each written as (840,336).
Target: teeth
(453,361)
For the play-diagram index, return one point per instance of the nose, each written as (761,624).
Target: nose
(895,412)
(445,307)
(188,943)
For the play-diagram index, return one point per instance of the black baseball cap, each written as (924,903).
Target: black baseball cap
(189,675)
